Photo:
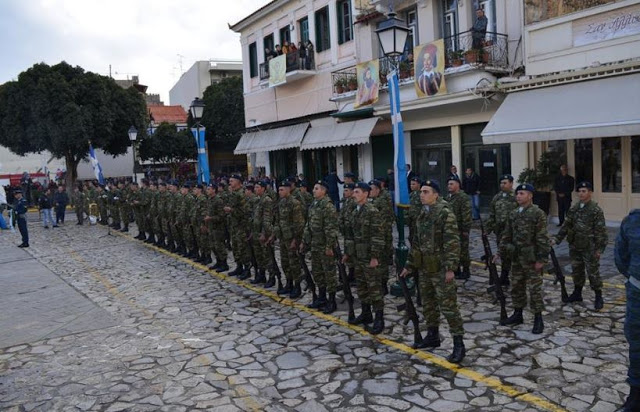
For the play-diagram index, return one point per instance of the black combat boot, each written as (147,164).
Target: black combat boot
(576,296)
(320,301)
(223,267)
(246,273)
(141,236)
(171,247)
(237,271)
(160,242)
(432,340)
(458,273)
(504,277)
(364,317)
(271,282)
(538,324)
(207,259)
(378,323)
(352,276)
(458,350)
(180,250)
(287,288)
(331,305)
(150,239)
(599,302)
(632,404)
(296,291)
(260,277)
(466,273)
(515,319)
(123,230)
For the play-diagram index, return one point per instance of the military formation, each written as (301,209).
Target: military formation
(252,220)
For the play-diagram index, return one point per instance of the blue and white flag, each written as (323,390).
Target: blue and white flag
(97,169)
(203,160)
(400,165)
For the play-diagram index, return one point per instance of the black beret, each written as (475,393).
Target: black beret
(199,186)
(506,177)
(416,179)
(213,185)
(526,186)
(286,183)
(376,182)
(323,184)
(162,184)
(363,186)
(302,183)
(134,183)
(186,185)
(455,179)
(433,184)
(263,183)
(236,176)
(350,174)
(586,185)
(349,186)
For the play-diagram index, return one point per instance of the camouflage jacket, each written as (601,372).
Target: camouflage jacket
(415,206)
(364,240)
(78,199)
(345,218)
(184,206)
(584,227)
(236,200)
(289,219)
(199,210)
(321,230)
(262,217)
(460,203)
(135,196)
(172,205)
(215,210)
(385,209)
(500,208)
(90,197)
(152,195)
(163,203)
(437,240)
(251,202)
(525,237)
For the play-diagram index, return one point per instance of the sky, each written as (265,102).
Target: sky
(154,39)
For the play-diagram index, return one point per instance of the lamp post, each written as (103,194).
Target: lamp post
(133,135)
(392,35)
(197,109)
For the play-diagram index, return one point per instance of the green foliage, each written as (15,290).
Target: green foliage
(169,146)
(224,110)
(543,175)
(60,108)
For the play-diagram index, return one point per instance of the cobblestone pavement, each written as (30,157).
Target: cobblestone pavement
(189,339)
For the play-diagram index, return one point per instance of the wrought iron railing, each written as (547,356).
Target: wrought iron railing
(344,81)
(474,48)
(294,62)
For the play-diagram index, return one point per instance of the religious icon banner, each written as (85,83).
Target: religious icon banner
(429,69)
(368,83)
(277,70)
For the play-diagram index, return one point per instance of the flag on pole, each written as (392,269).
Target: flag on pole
(203,161)
(400,165)
(97,169)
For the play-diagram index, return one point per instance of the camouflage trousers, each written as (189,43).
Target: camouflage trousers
(386,259)
(79,214)
(187,236)
(524,275)
(465,260)
(176,234)
(201,240)
(157,226)
(114,211)
(439,296)
(104,214)
(506,260)
(323,268)
(369,284)
(149,222)
(166,230)
(585,261)
(216,244)
(289,261)
(125,215)
(140,221)
(239,243)
(260,252)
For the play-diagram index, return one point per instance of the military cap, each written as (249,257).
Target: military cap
(186,185)
(134,184)
(198,186)
(586,185)
(223,183)
(350,186)
(263,183)
(302,183)
(17,191)
(350,174)
(526,186)
(249,186)
(162,184)
(323,184)
(236,176)
(381,179)
(433,184)
(363,186)
(286,183)
(455,179)
(376,182)
(416,179)
(213,185)
(506,177)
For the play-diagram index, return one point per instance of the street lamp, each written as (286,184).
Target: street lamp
(392,35)
(197,109)
(133,135)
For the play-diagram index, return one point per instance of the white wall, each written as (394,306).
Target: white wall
(111,166)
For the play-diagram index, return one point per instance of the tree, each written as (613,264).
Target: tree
(224,110)
(60,108)
(169,146)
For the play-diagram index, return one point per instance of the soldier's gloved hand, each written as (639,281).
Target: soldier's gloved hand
(553,241)
(538,266)
(262,239)
(404,273)
(293,245)
(329,252)
(373,263)
(345,259)
(449,276)
(496,258)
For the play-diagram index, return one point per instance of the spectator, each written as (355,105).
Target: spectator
(3,206)
(20,210)
(279,50)
(285,48)
(479,29)
(454,173)
(332,181)
(410,175)
(310,55)
(471,186)
(627,258)
(293,48)
(45,203)
(564,187)
(302,55)
(60,201)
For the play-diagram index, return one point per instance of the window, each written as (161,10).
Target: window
(450,24)
(611,165)
(285,35)
(253,60)
(635,164)
(583,153)
(323,38)
(268,43)
(304,29)
(345,25)
(412,24)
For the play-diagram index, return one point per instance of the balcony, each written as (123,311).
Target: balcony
(297,68)
(489,52)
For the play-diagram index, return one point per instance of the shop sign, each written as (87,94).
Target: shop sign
(606,26)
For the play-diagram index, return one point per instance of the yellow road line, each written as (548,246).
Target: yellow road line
(491,382)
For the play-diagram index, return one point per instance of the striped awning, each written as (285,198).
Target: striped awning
(280,138)
(328,133)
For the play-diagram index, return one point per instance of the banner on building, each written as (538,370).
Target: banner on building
(278,70)
(429,69)
(368,75)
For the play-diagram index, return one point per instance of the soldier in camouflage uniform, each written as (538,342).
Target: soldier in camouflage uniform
(224,192)
(173,201)
(237,211)
(304,196)
(150,210)
(364,245)
(261,230)
(289,227)
(501,206)
(435,256)
(114,205)
(78,204)
(182,223)
(415,206)
(526,242)
(460,204)
(345,220)
(161,207)
(215,220)
(321,235)
(125,206)
(198,228)
(585,230)
(89,196)
(137,203)
(103,201)
(381,199)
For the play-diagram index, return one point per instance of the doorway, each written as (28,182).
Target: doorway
(317,164)
(431,154)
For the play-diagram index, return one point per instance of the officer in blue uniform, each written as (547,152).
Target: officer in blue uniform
(20,209)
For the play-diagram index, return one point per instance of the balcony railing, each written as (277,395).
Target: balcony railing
(466,47)
(294,62)
(344,81)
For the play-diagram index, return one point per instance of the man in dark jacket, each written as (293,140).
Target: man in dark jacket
(332,183)
(627,258)
(60,202)
(471,186)
(563,186)
(479,29)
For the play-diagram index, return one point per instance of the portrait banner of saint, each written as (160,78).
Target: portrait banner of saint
(368,83)
(429,69)
(277,70)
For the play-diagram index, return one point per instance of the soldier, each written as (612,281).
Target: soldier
(150,210)
(289,227)
(435,256)
(174,217)
(136,201)
(161,207)
(345,220)
(183,221)
(526,242)
(585,230)
(460,204)
(103,200)
(125,206)
(198,228)
(237,212)
(500,208)
(215,220)
(321,235)
(261,230)
(364,245)
(382,201)
(305,197)
(78,203)
(415,206)
(114,205)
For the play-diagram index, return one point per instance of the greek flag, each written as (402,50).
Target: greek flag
(400,164)
(203,161)
(97,169)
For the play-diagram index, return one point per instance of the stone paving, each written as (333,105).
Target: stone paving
(189,339)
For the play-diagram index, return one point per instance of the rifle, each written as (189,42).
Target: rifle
(559,275)
(493,273)
(412,315)
(307,276)
(274,264)
(346,288)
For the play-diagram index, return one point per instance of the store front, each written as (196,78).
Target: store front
(431,154)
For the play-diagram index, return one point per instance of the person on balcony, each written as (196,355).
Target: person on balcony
(310,55)
(279,51)
(285,48)
(302,55)
(479,29)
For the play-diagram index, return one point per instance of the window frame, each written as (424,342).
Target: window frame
(345,31)
(323,34)
(264,43)
(253,60)
(303,25)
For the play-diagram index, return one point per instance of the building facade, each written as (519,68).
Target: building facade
(201,75)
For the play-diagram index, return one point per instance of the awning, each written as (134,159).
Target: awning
(272,139)
(607,107)
(327,133)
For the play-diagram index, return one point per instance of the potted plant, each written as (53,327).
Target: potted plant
(352,83)
(405,69)
(542,178)
(455,57)
(339,84)
(383,77)
(476,56)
